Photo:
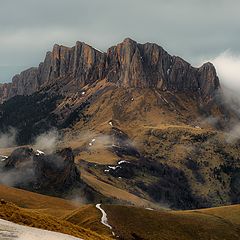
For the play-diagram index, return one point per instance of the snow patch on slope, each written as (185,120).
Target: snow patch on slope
(3,158)
(12,231)
(38,153)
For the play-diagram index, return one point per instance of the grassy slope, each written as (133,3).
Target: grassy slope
(135,223)
(88,217)
(143,119)
(162,129)
(163,126)
(51,213)
(36,219)
(114,192)
(25,199)
(128,222)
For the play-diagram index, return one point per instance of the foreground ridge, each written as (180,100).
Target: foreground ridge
(11,231)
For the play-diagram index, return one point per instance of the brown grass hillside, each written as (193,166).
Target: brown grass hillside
(51,213)
(209,224)
(127,222)
(33,218)
(88,216)
(166,128)
(54,206)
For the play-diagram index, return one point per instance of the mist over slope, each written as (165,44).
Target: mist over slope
(228,68)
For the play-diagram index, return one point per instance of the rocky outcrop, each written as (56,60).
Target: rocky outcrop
(129,64)
(82,62)
(208,81)
(58,170)
(25,83)
(4,91)
(41,172)
(54,174)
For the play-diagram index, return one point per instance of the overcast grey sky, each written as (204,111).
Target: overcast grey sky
(192,29)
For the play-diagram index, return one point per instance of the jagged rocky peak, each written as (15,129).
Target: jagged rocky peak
(128,64)
(82,62)
(25,83)
(208,80)
(137,65)
(4,91)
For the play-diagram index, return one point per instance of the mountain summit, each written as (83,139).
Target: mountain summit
(129,64)
(145,127)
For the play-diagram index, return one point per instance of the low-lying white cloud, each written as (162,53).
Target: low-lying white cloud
(8,139)
(228,69)
(47,141)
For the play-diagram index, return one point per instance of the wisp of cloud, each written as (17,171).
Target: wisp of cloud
(228,69)
(8,139)
(47,141)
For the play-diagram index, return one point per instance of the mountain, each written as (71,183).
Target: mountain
(146,128)
(129,64)
(36,93)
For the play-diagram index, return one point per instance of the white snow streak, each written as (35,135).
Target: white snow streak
(150,209)
(39,153)
(114,167)
(3,158)
(123,161)
(104,219)
(12,231)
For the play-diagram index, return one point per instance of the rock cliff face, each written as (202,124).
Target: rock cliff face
(4,91)
(129,64)
(148,65)
(36,171)
(82,62)
(54,174)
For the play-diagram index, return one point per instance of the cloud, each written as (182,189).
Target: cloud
(18,176)
(8,139)
(234,134)
(47,141)
(228,69)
